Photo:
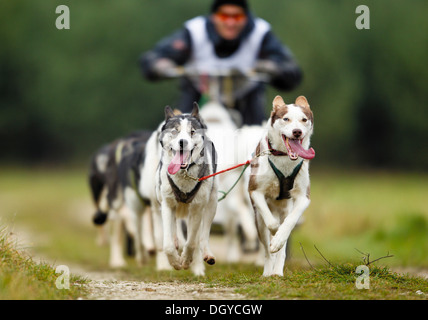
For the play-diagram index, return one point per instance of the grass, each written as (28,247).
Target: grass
(376,212)
(55,206)
(336,282)
(23,279)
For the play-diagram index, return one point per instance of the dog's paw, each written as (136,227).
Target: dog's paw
(117,263)
(162,262)
(276,244)
(198,269)
(185,263)
(272,274)
(186,258)
(209,259)
(174,261)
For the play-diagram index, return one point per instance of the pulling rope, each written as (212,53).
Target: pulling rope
(246,164)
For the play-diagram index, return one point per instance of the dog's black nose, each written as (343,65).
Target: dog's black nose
(297,133)
(183,143)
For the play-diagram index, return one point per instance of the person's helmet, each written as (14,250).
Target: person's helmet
(218,3)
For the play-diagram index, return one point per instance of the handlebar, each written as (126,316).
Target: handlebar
(250,75)
(222,86)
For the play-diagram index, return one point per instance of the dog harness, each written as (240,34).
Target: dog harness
(182,197)
(285,183)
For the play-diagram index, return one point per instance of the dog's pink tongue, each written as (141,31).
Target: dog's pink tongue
(176,162)
(300,151)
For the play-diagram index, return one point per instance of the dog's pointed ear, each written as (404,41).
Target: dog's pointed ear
(195,111)
(301,101)
(168,113)
(278,102)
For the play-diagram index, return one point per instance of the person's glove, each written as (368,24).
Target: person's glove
(164,67)
(267,66)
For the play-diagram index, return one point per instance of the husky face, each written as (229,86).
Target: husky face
(182,138)
(292,126)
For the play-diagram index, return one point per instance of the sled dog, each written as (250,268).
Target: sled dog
(187,155)
(279,185)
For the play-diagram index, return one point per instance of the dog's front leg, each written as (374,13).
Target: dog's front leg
(208,216)
(169,225)
(281,237)
(162,262)
(116,241)
(258,200)
(193,236)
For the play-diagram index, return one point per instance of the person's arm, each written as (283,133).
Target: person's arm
(277,60)
(169,52)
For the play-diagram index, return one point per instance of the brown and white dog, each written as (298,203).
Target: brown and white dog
(279,185)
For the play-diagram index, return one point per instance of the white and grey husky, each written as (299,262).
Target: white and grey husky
(187,155)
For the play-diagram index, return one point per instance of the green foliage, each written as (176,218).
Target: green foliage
(372,211)
(65,92)
(408,231)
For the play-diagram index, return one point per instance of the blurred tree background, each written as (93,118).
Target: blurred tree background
(63,93)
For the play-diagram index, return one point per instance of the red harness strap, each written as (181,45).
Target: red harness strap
(272,151)
(216,173)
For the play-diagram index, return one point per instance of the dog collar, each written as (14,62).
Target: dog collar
(273,151)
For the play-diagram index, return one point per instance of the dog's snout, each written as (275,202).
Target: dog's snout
(297,133)
(183,143)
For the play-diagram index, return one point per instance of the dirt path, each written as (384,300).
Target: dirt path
(114,285)
(104,289)
(111,285)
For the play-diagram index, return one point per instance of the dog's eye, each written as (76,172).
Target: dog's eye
(192,132)
(304,120)
(174,132)
(286,119)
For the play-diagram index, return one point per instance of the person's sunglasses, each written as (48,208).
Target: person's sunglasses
(224,16)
